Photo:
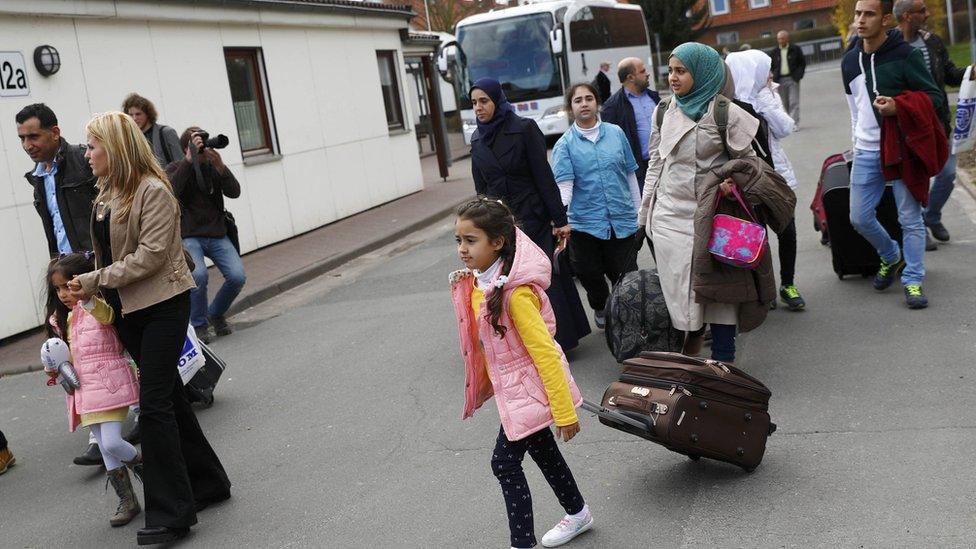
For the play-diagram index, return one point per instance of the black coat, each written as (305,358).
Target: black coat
(602,85)
(74,188)
(794,59)
(944,71)
(620,112)
(515,169)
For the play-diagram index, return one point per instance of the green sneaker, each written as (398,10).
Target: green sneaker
(791,297)
(914,297)
(887,273)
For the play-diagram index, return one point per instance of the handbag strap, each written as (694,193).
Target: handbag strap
(738,197)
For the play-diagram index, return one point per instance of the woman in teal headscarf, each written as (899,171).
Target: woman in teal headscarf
(685,147)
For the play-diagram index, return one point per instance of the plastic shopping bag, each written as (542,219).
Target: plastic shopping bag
(964,136)
(191,359)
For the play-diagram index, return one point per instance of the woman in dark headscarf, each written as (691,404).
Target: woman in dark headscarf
(509,162)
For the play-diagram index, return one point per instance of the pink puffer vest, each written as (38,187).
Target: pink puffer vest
(107,380)
(511,375)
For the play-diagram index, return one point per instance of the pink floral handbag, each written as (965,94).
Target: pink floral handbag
(736,241)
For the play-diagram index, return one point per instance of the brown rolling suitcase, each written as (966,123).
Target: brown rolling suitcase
(693,406)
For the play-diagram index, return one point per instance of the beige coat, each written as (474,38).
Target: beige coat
(149,265)
(682,153)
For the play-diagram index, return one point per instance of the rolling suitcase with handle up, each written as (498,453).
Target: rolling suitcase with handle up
(696,407)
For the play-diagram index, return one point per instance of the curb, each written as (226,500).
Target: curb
(305,274)
(967,181)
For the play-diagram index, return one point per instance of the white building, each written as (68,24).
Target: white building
(310,93)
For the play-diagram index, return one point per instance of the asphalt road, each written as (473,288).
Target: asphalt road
(338,418)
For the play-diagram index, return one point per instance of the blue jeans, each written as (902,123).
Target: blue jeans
(227,260)
(942,186)
(867,187)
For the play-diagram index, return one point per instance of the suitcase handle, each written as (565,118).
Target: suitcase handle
(617,417)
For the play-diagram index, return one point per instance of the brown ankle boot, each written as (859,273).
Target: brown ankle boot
(128,504)
(693,345)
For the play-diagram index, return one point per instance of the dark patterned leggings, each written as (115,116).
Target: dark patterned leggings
(506,463)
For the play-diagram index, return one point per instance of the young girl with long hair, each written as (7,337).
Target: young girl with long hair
(108,384)
(506,327)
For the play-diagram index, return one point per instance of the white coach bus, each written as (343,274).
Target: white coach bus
(539,48)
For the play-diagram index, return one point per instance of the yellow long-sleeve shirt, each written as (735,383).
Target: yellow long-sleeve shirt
(525,310)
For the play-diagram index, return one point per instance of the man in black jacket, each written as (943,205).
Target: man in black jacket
(64,187)
(64,192)
(788,67)
(911,16)
(602,83)
(200,187)
(632,108)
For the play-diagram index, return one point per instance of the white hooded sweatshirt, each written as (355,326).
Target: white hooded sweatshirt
(750,73)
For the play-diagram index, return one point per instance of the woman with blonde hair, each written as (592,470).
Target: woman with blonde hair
(141,270)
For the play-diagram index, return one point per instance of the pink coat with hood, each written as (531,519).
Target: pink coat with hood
(107,380)
(511,375)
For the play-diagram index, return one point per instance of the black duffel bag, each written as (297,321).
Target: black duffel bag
(637,317)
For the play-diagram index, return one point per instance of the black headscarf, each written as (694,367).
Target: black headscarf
(503,109)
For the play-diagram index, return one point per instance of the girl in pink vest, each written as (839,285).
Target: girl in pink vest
(506,327)
(108,383)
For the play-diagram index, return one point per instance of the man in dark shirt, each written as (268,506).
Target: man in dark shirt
(602,82)
(64,191)
(204,227)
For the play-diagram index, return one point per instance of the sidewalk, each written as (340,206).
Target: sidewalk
(282,266)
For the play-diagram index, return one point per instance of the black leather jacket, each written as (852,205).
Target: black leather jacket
(75,190)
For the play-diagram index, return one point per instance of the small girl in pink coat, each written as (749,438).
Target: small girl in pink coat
(108,384)
(507,330)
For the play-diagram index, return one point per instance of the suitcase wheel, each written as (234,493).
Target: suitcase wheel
(748,469)
(693,457)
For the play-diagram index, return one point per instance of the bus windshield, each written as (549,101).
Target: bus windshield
(516,52)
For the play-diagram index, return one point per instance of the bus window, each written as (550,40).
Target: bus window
(515,51)
(600,28)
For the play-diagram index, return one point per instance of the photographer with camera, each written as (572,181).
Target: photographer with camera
(200,182)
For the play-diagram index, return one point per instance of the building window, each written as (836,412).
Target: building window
(766,34)
(719,7)
(804,24)
(754,4)
(731,37)
(386,59)
(252,102)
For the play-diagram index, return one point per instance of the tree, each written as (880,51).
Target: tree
(444,14)
(676,21)
(844,16)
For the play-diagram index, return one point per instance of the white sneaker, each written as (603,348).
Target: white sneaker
(568,528)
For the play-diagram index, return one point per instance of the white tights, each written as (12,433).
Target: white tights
(114,449)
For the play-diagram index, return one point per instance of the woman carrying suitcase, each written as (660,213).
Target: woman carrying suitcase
(509,162)
(684,149)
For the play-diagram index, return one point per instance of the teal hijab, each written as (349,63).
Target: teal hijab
(708,71)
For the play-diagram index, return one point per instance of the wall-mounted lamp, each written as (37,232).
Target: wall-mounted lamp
(47,60)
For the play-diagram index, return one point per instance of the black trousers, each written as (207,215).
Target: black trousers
(180,466)
(506,463)
(787,254)
(3,441)
(596,260)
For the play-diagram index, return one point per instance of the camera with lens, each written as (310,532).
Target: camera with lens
(219,141)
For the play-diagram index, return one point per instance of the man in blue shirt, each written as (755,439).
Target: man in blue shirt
(64,191)
(64,187)
(632,108)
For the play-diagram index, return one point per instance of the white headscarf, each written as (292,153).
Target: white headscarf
(750,72)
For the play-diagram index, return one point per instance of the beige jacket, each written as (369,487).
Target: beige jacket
(149,265)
